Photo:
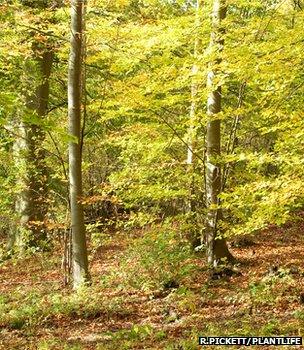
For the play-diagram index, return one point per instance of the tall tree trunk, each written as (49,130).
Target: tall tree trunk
(79,248)
(217,249)
(192,132)
(31,203)
(194,236)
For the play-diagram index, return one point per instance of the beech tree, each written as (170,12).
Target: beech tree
(31,202)
(216,246)
(192,132)
(75,88)
(139,94)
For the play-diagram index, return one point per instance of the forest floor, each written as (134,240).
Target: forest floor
(265,297)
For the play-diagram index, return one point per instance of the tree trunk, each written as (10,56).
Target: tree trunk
(193,107)
(31,203)
(217,249)
(192,132)
(191,203)
(79,248)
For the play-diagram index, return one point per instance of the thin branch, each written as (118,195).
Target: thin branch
(232,137)
(62,104)
(43,32)
(62,164)
(176,133)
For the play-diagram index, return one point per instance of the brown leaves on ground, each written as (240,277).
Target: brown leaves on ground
(264,299)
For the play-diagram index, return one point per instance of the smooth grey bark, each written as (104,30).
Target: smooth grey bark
(192,129)
(79,248)
(192,132)
(191,202)
(217,249)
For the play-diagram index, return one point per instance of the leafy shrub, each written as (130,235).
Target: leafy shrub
(157,259)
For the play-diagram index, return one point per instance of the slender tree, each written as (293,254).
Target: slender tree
(192,132)
(79,248)
(191,203)
(216,246)
(193,107)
